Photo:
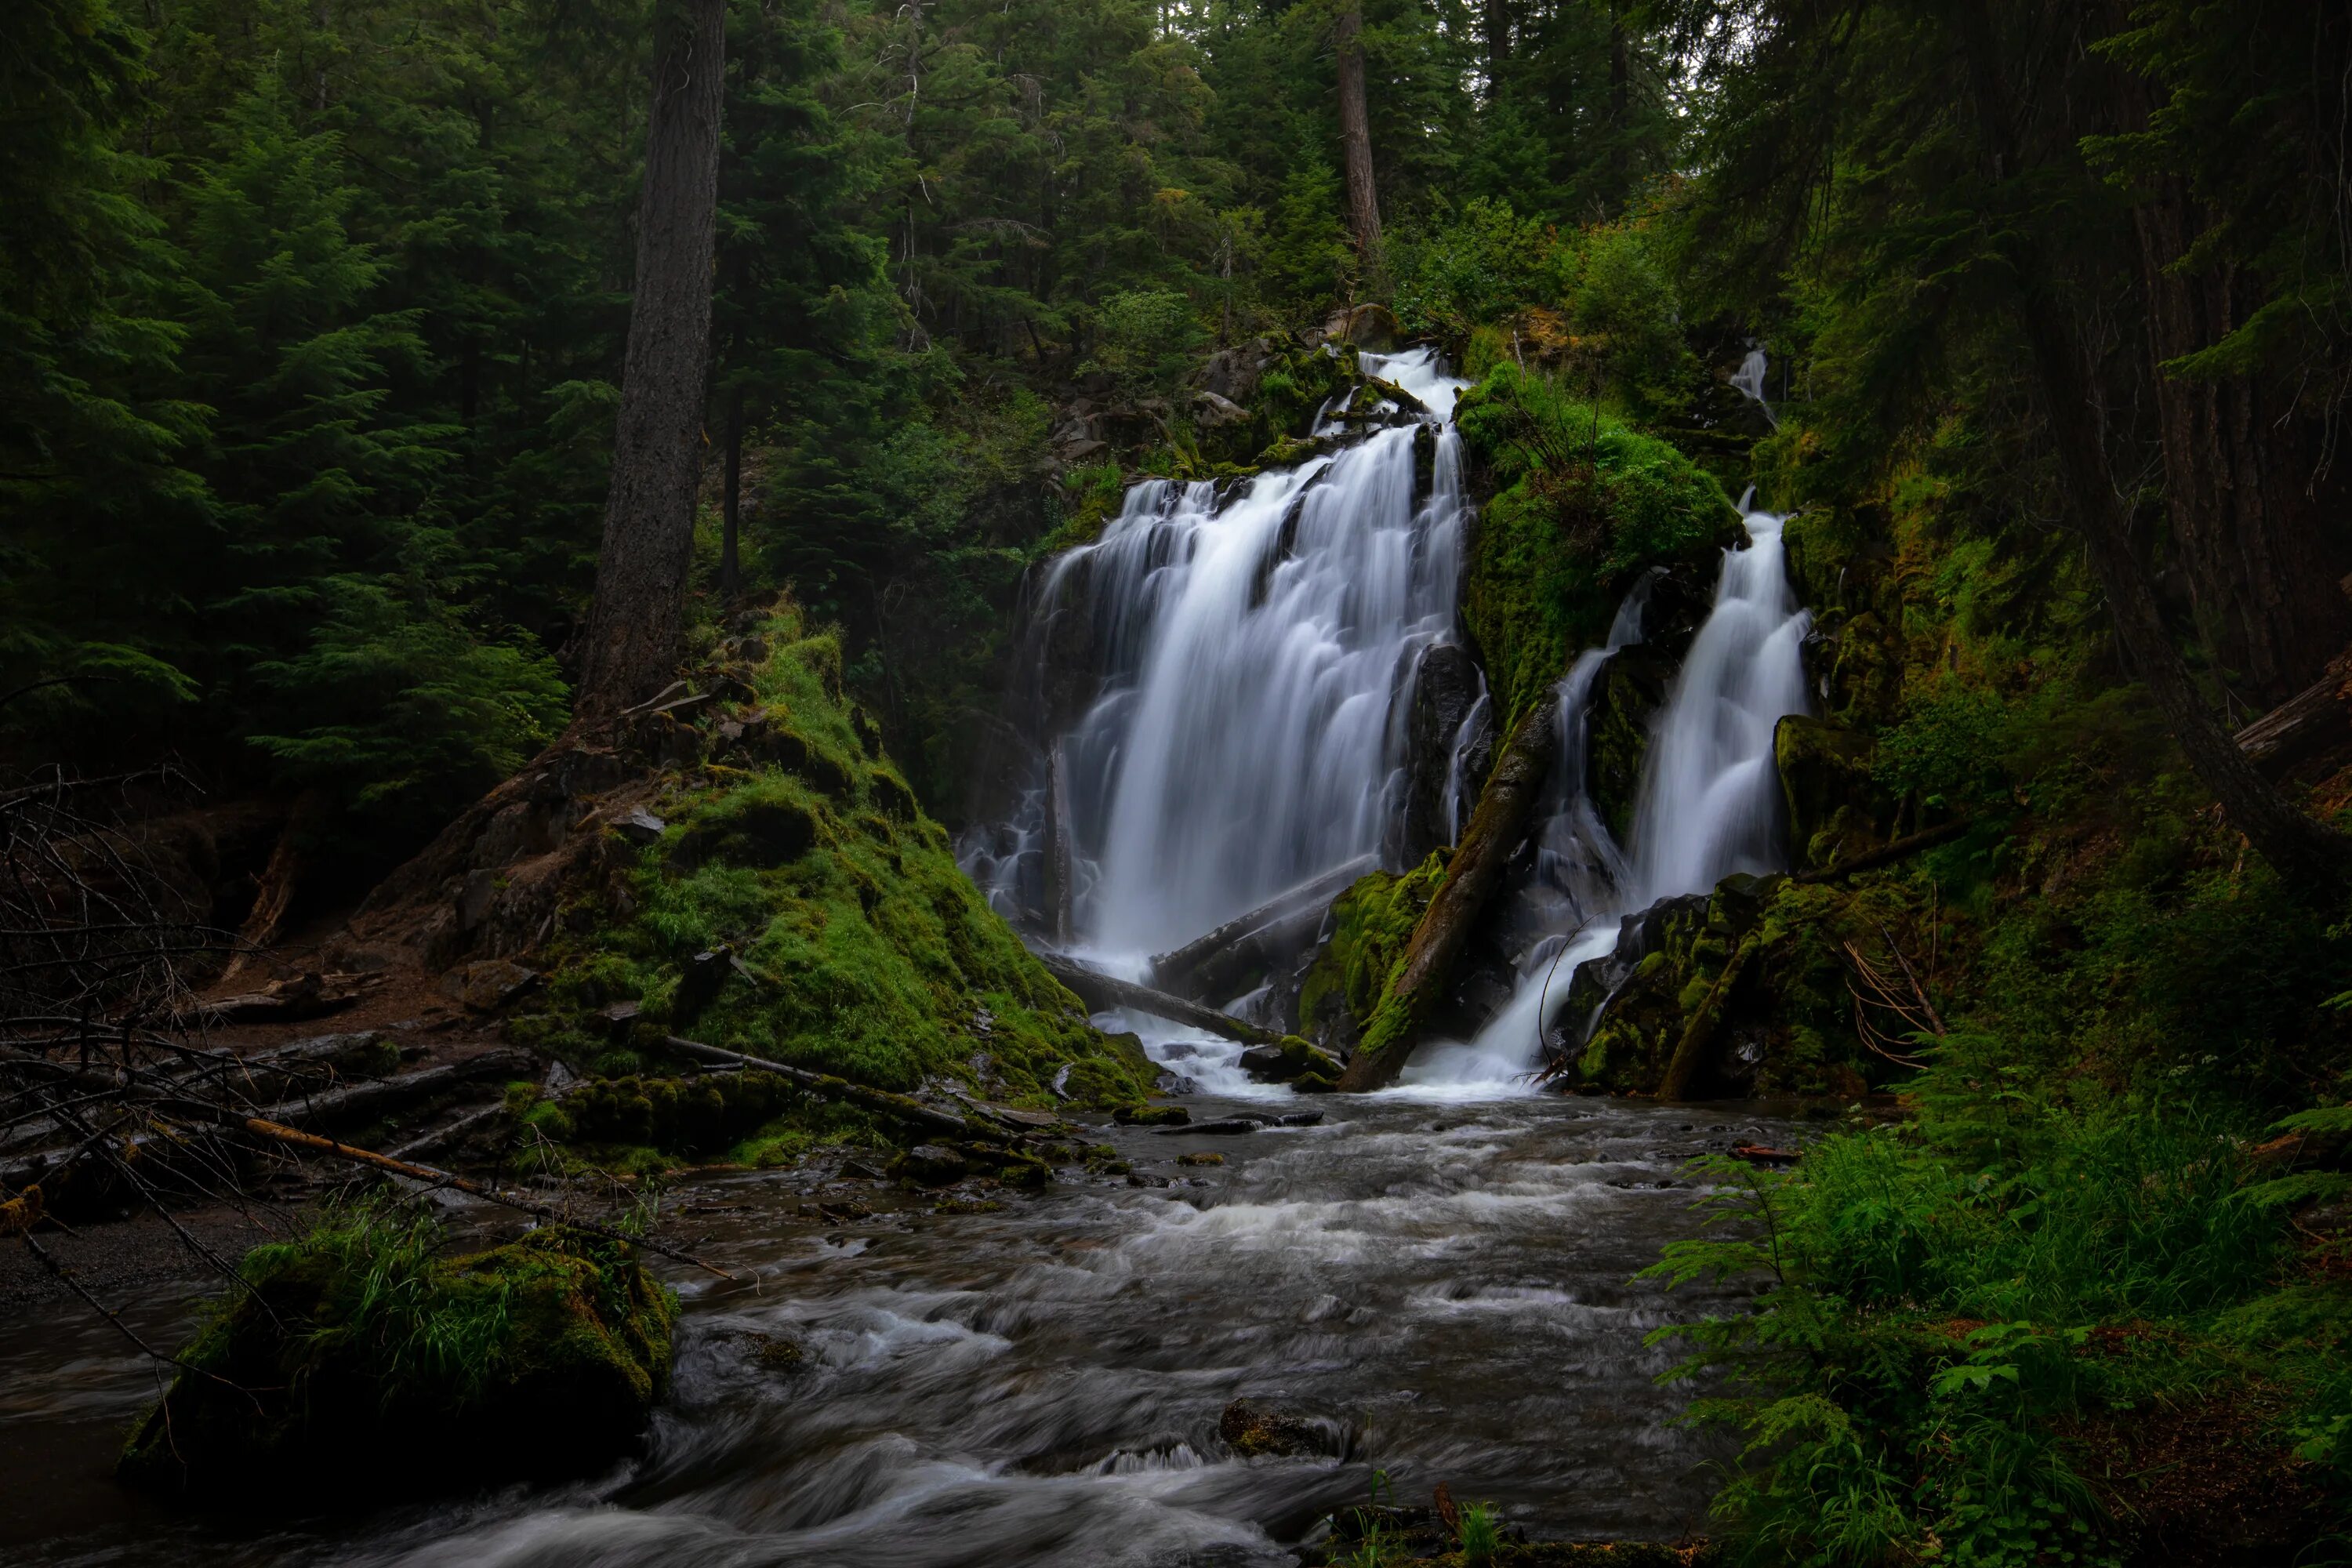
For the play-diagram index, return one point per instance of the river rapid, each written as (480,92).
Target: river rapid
(1444,1288)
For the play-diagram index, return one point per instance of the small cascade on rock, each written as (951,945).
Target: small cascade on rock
(1749,381)
(1708,805)
(1253,649)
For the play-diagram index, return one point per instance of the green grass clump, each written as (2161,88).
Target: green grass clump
(2022,1332)
(853,943)
(1582,506)
(358,1361)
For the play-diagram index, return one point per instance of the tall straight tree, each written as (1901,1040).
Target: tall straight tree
(630,644)
(1356,134)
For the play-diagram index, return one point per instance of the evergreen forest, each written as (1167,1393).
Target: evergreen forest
(1081,782)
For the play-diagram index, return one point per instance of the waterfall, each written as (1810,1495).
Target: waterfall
(1708,804)
(1256,646)
(1749,381)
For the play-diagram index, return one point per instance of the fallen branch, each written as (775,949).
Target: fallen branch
(902,1108)
(1473,878)
(432,1177)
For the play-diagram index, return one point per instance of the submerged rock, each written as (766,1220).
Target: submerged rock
(1251,1430)
(352,1364)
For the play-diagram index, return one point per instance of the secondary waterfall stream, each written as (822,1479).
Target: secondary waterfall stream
(1438,1280)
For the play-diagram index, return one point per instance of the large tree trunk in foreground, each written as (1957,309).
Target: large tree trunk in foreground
(1355,136)
(1472,880)
(632,637)
(2306,854)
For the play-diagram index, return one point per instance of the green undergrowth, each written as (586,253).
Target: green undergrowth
(361,1360)
(799,905)
(1581,506)
(2027,1328)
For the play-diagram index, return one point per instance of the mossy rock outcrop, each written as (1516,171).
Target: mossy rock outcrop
(354,1365)
(1581,508)
(1753,980)
(788,898)
(1837,810)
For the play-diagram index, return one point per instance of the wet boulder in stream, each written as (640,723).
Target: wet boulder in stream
(354,1365)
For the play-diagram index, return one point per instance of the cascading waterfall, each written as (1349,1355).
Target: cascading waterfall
(1708,805)
(1256,650)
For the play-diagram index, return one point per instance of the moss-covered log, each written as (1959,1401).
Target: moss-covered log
(1473,878)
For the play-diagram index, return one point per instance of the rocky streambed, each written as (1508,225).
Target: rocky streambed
(1435,1289)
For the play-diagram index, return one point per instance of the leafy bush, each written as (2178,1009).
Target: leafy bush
(1959,1317)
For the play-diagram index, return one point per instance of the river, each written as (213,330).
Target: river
(1443,1288)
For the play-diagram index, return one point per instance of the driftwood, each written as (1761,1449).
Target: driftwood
(1473,878)
(900,1107)
(1195,969)
(1060,861)
(1102,992)
(2315,720)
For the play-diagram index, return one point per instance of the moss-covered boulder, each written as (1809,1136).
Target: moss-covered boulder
(356,1364)
(1757,983)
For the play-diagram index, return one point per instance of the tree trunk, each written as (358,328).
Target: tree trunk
(1621,167)
(1497,28)
(1472,880)
(731,568)
(1356,137)
(630,644)
(1104,992)
(2238,461)
(2314,857)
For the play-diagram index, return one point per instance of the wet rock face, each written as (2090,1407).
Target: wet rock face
(1444,688)
(1836,809)
(1251,1430)
(551,1353)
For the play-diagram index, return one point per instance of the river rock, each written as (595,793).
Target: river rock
(1251,1430)
(310,1386)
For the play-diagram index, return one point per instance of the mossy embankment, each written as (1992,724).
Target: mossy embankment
(359,1362)
(1578,506)
(785,896)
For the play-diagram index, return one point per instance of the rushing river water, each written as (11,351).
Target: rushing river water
(1442,1288)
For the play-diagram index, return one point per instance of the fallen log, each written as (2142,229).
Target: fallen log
(901,1106)
(1887,854)
(1103,992)
(2315,720)
(365,1102)
(1695,1052)
(1180,971)
(1473,878)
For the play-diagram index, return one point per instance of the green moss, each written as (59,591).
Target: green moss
(354,1362)
(1582,506)
(853,944)
(1373,922)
